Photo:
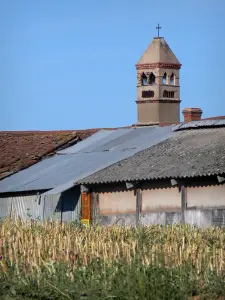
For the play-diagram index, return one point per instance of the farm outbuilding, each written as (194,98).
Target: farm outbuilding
(47,189)
(140,175)
(181,179)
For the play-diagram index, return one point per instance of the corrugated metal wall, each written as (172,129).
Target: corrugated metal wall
(52,207)
(26,207)
(5,207)
(63,206)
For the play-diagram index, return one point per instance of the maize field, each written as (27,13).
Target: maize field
(65,261)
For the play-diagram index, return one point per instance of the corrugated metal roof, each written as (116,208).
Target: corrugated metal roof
(99,151)
(100,138)
(190,153)
(200,124)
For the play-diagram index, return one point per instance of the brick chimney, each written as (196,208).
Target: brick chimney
(192,114)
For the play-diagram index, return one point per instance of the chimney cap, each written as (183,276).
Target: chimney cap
(192,114)
(192,110)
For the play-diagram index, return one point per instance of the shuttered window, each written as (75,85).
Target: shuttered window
(147,94)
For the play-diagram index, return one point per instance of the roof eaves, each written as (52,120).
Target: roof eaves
(134,179)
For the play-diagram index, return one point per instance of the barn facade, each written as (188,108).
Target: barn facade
(179,180)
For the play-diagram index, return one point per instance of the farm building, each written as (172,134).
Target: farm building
(181,179)
(156,171)
(137,175)
(47,189)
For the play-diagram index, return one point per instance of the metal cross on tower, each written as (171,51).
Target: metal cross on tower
(158,27)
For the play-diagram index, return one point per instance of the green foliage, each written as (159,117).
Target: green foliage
(46,261)
(99,280)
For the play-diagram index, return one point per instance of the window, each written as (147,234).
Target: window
(152,78)
(148,94)
(164,78)
(172,79)
(144,79)
(168,94)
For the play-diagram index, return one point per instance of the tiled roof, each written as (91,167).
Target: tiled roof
(21,149)
(190,153)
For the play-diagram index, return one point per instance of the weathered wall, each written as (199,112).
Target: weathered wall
(27,206)
(201,217)
(205,206)
(62,207)
(209,196)
(158,200)
(117,203)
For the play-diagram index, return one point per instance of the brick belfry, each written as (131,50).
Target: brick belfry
(158,89)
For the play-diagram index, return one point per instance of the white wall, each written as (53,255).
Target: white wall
(117,203)
(206,196)
(161,200)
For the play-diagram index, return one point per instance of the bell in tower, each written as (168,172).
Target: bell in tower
(158,89)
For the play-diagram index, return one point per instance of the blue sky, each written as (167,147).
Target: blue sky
(70,64)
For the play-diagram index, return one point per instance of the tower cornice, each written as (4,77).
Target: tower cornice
(158,101)
(158,65)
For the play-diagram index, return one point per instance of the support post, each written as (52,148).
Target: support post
(94,208)
(138,205)
(183,203)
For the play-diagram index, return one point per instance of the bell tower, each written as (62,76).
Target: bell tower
(158,89)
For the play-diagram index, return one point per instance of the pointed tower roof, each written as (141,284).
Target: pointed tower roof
(158,52)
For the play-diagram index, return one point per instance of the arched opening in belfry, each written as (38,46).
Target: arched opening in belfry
(144,80)
(172,79)
(151,78)
(164,78)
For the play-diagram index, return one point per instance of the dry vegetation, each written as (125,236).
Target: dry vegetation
(58,261)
